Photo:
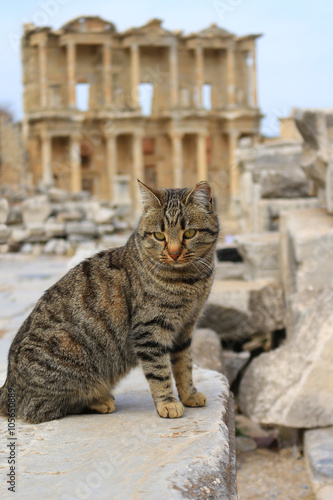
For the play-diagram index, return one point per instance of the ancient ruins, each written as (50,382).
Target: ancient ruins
(103,108)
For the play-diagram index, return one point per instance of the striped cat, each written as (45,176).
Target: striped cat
(124,306)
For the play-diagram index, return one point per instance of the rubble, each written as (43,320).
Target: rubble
(239,309)
(306,250)
(292,385)
(233,363)
(59,222)
(260,253)
(4,210)
(315,125)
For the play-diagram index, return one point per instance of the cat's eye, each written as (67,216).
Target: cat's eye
(159,236)
(189,233)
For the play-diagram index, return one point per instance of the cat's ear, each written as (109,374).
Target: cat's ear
(150,196)
(201,194)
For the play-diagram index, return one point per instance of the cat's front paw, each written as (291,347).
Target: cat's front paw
(196,399)
(105,405)
(170,410)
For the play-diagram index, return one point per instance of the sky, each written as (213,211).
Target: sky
(294,55)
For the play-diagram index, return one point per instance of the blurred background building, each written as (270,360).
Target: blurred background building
(103,108)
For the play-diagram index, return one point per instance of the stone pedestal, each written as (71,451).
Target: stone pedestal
(132,453)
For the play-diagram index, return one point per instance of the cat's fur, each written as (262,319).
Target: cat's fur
(124,306)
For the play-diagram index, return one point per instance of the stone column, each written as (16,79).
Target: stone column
(75,163)
(202,173)
(177,159)
(107,68)
(111,161)
(199,70)
(47,178)
(233,167)
(42,73)
(138,172)
(71,74)
(231,88)
(254,77)
(173,75)
(135,74)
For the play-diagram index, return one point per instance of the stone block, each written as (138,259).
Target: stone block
(292,386)
(260,253)
(316,127)
(18,235)
(268,212)
(84,228)
(267,308)
(206,349)
(233,363)
(132,452)
(104,215)
(229,270)
(298,306)
(306,250)
(56,246)
(4,210)
(53,228)
(36,209)
(4,233)
(236,312)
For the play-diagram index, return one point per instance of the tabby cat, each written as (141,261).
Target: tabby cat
(121,307)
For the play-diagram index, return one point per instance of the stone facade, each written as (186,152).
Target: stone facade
(200,89)
(13,161)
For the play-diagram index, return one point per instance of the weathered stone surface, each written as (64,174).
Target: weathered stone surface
(18,235)
(206,349)
(277,170)
(57,246)
(293,385)
(84,228)
(286,183)
(260,253)
(4,210)
(103,215)
(228,309)
(298,306)
(318,449)
(53,228)
(132,453)
(316,127)
(229,270)
(249,428)
(4,233)
(233,362)
(36,209)
(267,308)
(267,212)
(306,255)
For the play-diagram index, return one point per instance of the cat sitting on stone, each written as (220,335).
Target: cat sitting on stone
(137,304)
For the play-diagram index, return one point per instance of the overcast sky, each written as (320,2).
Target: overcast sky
(295,54)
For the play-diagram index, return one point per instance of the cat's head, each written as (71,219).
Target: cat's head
(178,226)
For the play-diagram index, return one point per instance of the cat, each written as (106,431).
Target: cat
(137,304)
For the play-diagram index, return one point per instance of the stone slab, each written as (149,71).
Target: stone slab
(132,453)
(292,385)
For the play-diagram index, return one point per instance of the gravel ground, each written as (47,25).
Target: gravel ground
(279,475)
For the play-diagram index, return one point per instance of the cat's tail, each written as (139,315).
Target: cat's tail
(4,400)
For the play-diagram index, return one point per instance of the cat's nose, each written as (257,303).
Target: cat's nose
(174,254)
